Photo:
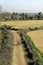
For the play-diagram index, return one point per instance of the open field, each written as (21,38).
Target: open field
(23,24)
(37,38)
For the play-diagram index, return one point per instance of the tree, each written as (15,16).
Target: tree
(13,16)
(31,17)
(26,16)
(22,16)
(7,16)
(39,15)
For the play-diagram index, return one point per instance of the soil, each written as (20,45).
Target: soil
(18,52)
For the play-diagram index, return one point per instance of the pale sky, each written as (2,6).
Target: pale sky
(26,6)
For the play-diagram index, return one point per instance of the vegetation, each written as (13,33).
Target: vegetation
(5,48)
(21,22)
(37,38)
(6,16)
(38,59)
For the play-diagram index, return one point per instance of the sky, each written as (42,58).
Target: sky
(26,6)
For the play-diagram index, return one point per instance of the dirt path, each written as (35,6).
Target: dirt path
(18,53)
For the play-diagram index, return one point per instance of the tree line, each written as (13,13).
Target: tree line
(20,16)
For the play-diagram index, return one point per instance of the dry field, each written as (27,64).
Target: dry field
(37,38)
(23,24)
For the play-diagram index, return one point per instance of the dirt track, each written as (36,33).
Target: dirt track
(18,53)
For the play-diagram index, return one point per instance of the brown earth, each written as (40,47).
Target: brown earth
(18,52)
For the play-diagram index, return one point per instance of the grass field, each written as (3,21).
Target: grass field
(37,38)
(23,24)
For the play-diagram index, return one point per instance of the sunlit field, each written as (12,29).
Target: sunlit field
(37,38)
(23,24)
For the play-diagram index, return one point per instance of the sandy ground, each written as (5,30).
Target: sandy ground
(18,53)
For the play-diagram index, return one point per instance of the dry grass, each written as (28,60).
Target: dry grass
(23,23)
(37,38)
